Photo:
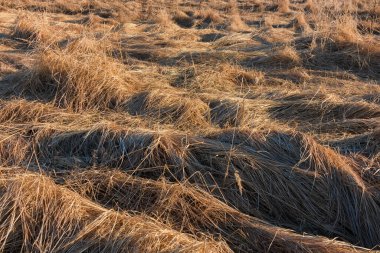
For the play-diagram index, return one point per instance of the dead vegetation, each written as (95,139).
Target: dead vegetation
(189,126)
(77,224)
(32,30)
(69,77)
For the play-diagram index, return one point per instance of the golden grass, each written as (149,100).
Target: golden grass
(33,29)
(236,23)
(185,126)
(59,220)
(170,203)
(76,79)
(283,6)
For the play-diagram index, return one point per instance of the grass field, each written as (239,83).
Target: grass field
(189,126)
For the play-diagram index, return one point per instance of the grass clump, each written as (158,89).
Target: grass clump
(77,80)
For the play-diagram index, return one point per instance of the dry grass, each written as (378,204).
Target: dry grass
(283,6)
(191,209)
(77,79)
(31,29)
(59,220)
(300,24)
(236,23)
(285,56)
(189,126)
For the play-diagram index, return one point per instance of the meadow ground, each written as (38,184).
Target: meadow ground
(189,126)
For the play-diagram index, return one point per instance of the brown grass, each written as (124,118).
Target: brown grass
(189,126)
(283,6)
(76,80)
(183,20)
(285,56)
(193,210)
(59,220)
(210,15)
(163,18)
(300,24)
(185,158)
(311,7)
(171,109)
(236,23)
(342,41)
(32,29)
